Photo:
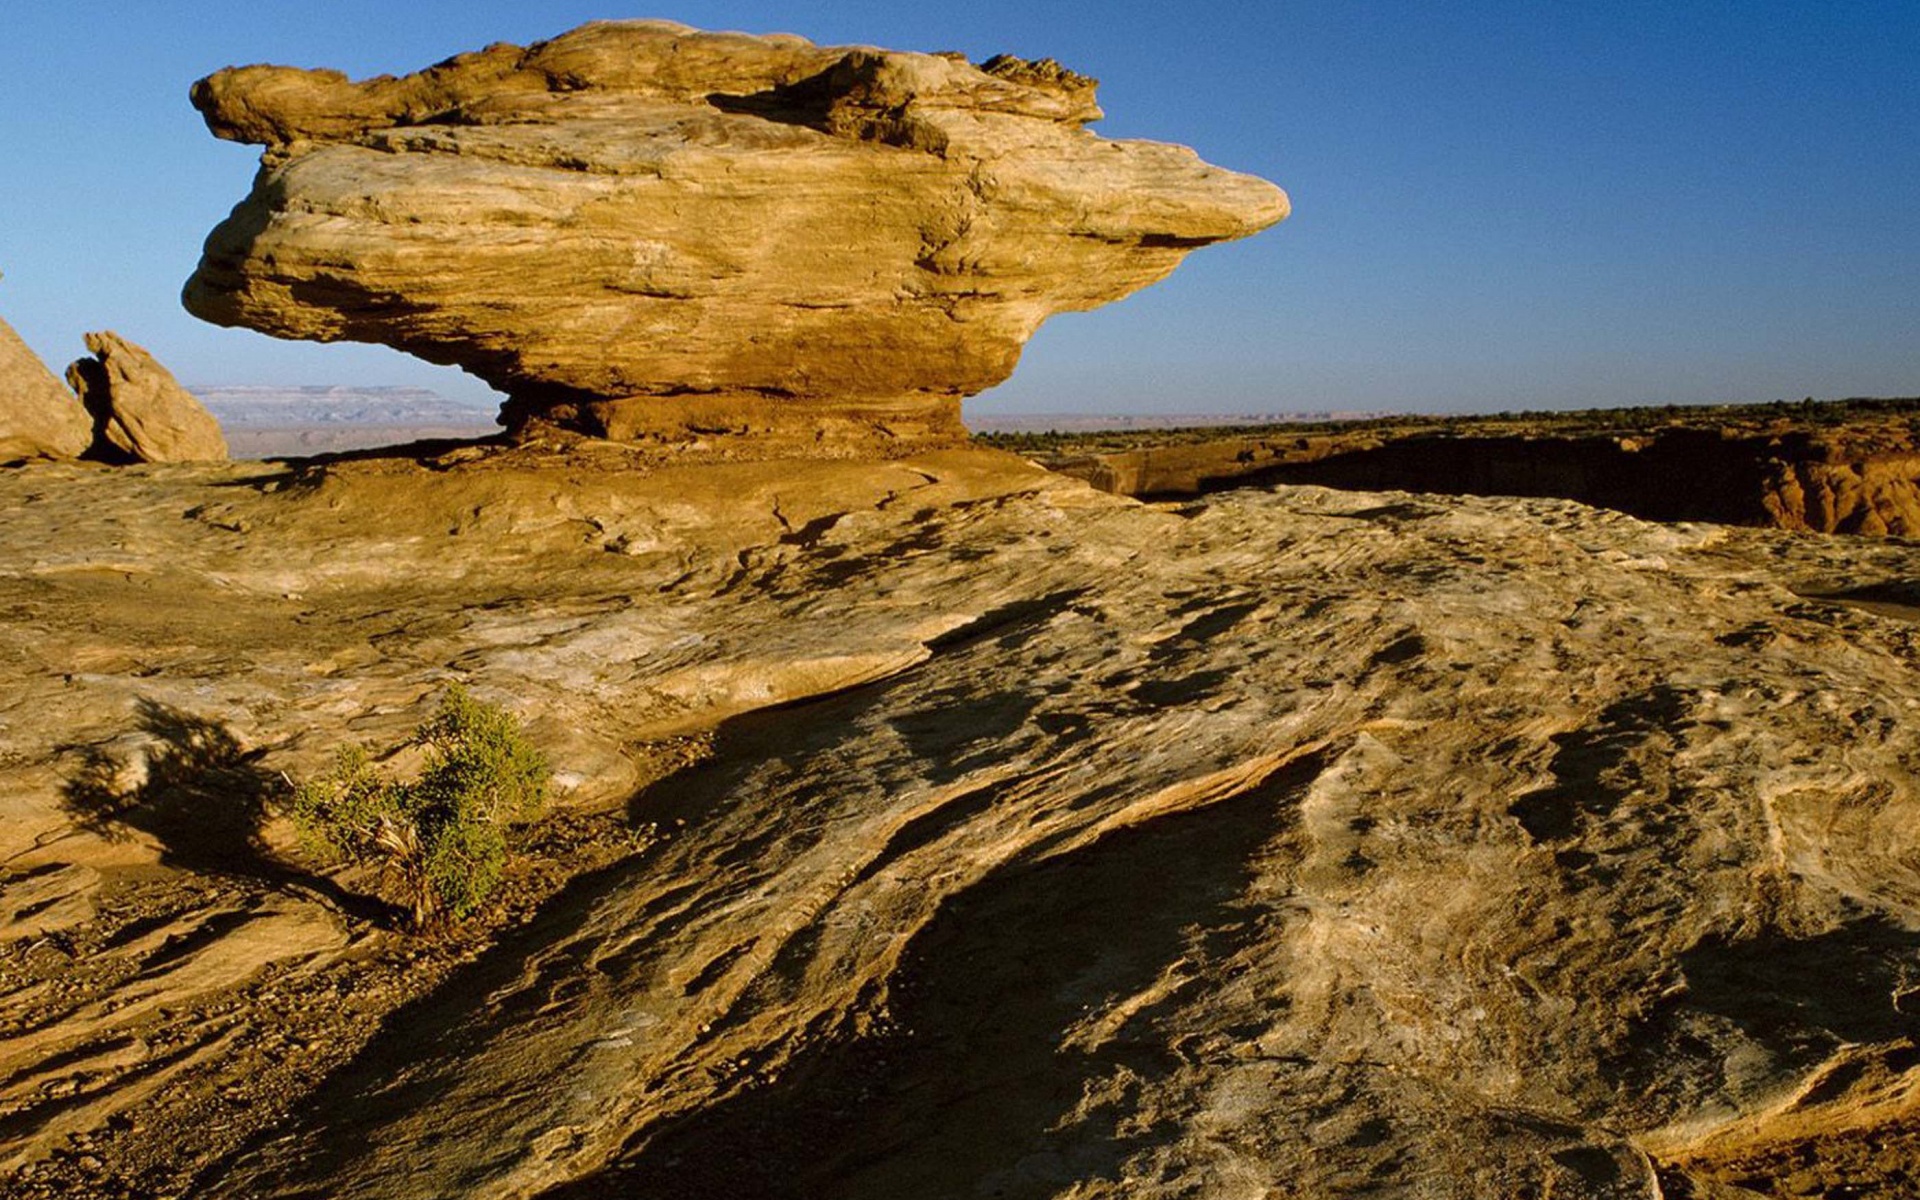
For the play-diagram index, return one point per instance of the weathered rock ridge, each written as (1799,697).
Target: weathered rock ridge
(140,412)
(1287,842)
(639,228)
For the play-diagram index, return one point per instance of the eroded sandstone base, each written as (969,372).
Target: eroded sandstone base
(752,424)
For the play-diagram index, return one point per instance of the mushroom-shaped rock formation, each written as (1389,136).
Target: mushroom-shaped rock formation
(639,229)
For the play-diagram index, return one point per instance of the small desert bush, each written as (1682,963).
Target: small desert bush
(444,832)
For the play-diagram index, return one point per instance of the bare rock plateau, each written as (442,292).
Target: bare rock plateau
(640,230)
(931,827)
(946,827)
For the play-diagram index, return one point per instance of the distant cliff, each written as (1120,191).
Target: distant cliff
(274,422)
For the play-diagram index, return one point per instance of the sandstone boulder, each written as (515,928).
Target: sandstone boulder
(640,228)
(140,411)
(38,417)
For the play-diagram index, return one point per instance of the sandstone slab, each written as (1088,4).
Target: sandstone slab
(639,229)
(140,411)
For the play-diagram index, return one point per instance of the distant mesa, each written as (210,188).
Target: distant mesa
(639,230)
(280,422)
(272,406)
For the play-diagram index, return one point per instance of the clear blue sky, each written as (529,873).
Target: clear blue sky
(1496,205)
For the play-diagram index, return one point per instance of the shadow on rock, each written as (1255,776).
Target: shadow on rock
(188,783)
(978,1084)
(1803,996)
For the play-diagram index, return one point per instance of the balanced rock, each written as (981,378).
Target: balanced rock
(38,417)
(140,411)
(639,228)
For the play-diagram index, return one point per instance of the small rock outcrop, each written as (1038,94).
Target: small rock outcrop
(140,411)
(642,229)
(38,417)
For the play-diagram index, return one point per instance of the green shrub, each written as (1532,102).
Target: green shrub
(444,833)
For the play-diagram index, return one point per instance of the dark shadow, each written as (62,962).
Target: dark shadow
(805,102)
(1186,689)
(308,471)
(1684,475)
(841,570)
(961,730)
(267,483)
(1898,598)
(1203,629)
(1796,998)
(1847,985)
(424,452)
(853,98)
(1012,623)
(1593,767)
(89,380)
(204,798)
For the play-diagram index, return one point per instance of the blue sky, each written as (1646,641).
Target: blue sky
(1496,205)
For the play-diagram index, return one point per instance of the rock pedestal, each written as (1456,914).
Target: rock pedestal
(641,230)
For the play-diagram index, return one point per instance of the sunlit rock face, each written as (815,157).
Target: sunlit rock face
(38,417)
(639,228)
(140,411)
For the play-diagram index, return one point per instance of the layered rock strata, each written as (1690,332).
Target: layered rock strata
(140,412)
(639,229)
